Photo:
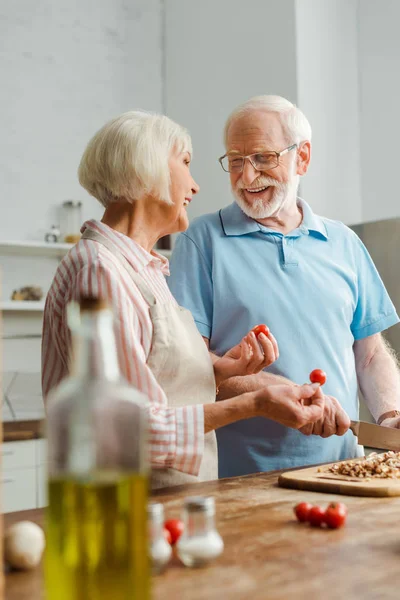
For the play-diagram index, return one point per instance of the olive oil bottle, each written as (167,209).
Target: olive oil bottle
(97,544)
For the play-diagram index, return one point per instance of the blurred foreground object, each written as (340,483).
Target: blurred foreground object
(97,537)
(24,543)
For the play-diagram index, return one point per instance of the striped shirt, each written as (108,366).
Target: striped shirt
(176,434)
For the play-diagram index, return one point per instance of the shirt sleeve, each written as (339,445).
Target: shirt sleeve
(374,311)
(176,434)
(190,281)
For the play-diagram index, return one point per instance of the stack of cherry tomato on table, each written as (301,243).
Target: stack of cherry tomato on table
(334,516)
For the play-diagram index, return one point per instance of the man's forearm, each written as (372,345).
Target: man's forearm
(379,381)
(250,383)
(235,386)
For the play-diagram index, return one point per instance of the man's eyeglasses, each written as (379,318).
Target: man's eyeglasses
(261,161)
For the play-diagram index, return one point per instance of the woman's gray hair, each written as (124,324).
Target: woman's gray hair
(295,124)
(128,157)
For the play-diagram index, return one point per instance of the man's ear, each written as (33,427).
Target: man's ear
(303,157)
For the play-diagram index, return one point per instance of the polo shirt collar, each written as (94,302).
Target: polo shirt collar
(312,222)
(235,222)
(135,254)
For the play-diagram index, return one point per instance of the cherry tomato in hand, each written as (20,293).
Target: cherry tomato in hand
(175,527)
(316,516)
(318,376)
(167,536)
(260,329)
(302,511)
(335,515)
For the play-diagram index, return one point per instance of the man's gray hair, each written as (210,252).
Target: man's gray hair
(128,158)
(295,124)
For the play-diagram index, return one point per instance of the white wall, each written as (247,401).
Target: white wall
(327,79)
(220,53)
(379,59)
(67,67)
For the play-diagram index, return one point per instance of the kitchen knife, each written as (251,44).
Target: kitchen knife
(376,436)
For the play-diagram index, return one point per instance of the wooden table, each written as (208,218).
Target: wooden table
(268,555)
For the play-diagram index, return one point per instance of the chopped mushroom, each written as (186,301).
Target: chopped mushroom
(378,466)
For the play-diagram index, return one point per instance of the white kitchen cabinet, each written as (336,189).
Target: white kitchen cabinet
(19,489)
(18,454)
(24,475)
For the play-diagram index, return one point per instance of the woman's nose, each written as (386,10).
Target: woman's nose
(195,187)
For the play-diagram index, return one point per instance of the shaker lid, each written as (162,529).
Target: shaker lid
(205,504)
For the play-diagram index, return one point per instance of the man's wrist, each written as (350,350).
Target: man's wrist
(390,414)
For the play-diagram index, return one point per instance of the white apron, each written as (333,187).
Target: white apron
(181,363)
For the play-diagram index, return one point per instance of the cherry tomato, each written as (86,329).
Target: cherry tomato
(318,376)
(302,511)
(260,329)
(167,535)
(175,527)
(335,515)
(316,516)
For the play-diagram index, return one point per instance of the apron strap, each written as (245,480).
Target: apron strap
(91,234)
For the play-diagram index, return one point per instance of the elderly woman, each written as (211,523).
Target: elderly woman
(138,167)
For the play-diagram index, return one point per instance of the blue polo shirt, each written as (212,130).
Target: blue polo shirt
(316,288)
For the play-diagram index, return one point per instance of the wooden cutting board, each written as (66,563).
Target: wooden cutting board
(318,479)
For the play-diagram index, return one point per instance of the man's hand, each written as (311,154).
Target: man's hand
(335,420)
(391,422)
(250,356)
(294,406)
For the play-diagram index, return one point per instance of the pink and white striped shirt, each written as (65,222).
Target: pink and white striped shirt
(90,268)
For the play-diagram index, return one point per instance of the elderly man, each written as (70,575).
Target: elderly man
(268,258)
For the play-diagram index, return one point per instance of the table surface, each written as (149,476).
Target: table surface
(268,554)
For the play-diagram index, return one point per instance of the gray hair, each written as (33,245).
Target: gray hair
(295,124)
(128,157)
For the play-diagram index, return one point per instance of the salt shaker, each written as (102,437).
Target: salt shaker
(200,542)
(160,550)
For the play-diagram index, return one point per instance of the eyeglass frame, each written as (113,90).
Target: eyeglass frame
(248,157)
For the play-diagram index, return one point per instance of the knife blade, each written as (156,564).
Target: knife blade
(376,436)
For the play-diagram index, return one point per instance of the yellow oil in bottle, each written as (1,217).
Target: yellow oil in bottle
(97,541)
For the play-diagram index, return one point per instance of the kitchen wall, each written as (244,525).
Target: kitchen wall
(67,67)
(379,51)
(327,80)
(218,54)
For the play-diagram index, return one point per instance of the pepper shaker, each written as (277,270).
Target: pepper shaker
(200,542)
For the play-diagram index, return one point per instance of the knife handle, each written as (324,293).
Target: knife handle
(355,427)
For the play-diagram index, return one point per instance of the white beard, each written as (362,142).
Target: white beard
(264,209)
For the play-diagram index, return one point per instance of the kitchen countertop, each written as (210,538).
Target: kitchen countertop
(268,555)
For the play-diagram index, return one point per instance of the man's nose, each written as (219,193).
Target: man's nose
(249,173)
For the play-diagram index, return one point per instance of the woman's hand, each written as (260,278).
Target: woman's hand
(250,356)
(294,406)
